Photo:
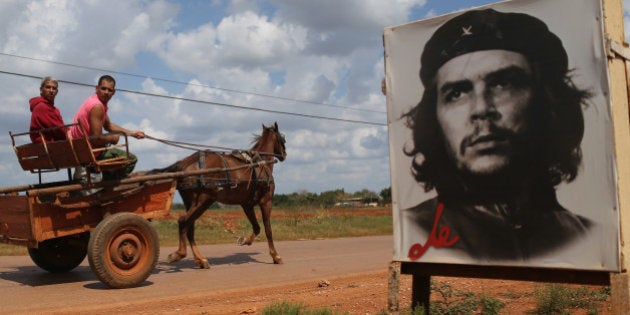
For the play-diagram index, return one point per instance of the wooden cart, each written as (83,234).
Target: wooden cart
(61,222)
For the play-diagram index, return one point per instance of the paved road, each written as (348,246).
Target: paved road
(24,288)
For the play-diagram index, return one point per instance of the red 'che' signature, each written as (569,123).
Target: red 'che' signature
(436,240)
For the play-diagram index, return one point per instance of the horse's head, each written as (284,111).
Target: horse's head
(271,143)
(279,149)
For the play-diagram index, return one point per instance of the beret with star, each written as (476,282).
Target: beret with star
(489,29)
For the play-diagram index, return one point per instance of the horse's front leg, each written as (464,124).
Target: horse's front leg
(180,253)
(265,208)
(251,216)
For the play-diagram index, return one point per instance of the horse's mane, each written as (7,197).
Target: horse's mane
(255,140)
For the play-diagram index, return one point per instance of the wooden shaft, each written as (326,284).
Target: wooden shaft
(32,190)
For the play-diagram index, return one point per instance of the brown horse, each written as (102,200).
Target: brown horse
(247,181)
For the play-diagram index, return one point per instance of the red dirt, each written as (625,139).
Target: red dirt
(355,294)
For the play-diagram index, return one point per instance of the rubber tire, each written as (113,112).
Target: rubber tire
(123,250)
(60,254)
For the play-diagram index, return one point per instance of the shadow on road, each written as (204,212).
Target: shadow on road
(34,276)
(189,263)
(236,259)
(101,286)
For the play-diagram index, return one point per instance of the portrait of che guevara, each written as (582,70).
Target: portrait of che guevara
(498,128)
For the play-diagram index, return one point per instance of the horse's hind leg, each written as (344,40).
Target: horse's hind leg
(181,251)
(200,260)
(251,216)
(265,207)
(186,224)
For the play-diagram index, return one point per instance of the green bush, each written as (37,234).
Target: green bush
(286,308)
(559,299)
(456,302)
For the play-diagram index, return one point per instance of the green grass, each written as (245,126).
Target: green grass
(286,308)
(12,250)
(453,301)
(331,227)
(555,298)
(209,230)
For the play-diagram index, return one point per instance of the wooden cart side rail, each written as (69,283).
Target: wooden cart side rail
(16,189)
(48,156)
(142,178)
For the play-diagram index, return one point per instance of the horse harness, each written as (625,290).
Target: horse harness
(263,176)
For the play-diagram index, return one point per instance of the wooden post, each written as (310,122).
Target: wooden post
(613,28)
(393,287)
(420,289)
(421,292)
(619,293)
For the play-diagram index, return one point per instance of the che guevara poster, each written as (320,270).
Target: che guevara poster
(500,137)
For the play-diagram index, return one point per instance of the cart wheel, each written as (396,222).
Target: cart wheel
(60,254)
(123,250)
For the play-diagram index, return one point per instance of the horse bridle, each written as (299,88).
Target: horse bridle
(279,140)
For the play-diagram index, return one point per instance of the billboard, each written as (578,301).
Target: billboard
(501,140)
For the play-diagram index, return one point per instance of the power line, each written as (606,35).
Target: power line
(191,84)
(210,103)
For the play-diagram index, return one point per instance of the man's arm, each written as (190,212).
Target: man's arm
(97,123)
(112,127)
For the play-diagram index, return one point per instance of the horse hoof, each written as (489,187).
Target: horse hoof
(174,257)
(278,261)
(202,264)
(242,242)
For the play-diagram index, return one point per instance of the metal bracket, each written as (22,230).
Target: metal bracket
(614,49)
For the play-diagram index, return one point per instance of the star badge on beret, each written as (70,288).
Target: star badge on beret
(467,31)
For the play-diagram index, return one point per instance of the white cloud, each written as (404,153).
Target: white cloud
(40,28)
(194,45)
(246,40)
(249,40)
(318,51)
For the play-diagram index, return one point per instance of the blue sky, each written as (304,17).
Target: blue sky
(320,58)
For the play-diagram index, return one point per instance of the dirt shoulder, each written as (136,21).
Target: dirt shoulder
(365,293)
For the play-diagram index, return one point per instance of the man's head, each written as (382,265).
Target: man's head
(49,88)
(497,102)
(106,88)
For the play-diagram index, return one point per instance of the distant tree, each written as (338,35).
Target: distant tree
(328,199)
(304,197)
(280,201)
(367,196)
(324,200)
(386,195)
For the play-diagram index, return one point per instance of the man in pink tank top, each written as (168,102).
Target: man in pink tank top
(93,119)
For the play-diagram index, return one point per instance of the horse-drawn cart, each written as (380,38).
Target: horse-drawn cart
(63,221)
